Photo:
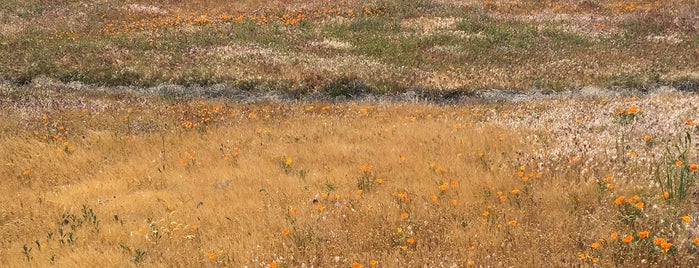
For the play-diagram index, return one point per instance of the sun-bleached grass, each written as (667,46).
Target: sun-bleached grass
(390,46)
(128,180)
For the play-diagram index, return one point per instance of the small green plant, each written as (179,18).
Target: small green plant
(27,176)
(629,209)
(674,173)
(302,174)
(367,180)
(628,115)
(605,183)
(26,250)
(154,230)
(138,255)
(286,164)
(90,217)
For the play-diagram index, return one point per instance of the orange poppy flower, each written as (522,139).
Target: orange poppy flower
(627,239)
(643,234)
(619,200)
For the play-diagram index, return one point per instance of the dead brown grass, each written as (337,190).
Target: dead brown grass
(220,194)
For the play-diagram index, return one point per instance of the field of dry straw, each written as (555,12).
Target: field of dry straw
(93,178)
(102,167)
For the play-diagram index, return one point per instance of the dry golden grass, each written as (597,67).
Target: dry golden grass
(138,180)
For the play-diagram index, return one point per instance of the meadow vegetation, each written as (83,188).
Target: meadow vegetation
(389,46)
(349,133)
(127,179)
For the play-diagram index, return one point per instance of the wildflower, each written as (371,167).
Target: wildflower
(379,180)
(399,230)
(320,208)
(619,200)
(666,195)
(365,168)
(288,161)
(689,122)
(285,231)
(373,262)
(693,167)
(686,218)
(443,187)
(485,213)
(520,174)
(26,172)
(695,241)
(433,198)
(292,211)
(410,240)
(512,223)
(639,205)
(678,163)
(404,215)
(525,179)
(453,202)
(583,256)
(659,241)
(614,236)
(643,234)
(610,186)
(503,198)
(627,239)
(356,265)
(595,245)
(439,170)
(453,184)
(666,247)
(360,192)
(647,138)
(212,256)
(470,262)
(402,158)
(479,154)
(273,264)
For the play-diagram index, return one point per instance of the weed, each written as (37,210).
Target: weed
(138,255)
(674,172)
(26,250)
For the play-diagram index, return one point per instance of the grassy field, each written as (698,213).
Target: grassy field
(371,46)
(349,133)
(112,179)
